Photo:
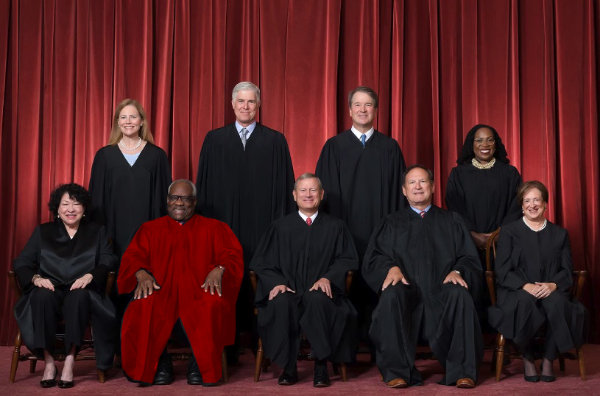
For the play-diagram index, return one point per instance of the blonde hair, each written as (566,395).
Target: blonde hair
(115,133)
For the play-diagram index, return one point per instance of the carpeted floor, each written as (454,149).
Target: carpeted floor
(363,380)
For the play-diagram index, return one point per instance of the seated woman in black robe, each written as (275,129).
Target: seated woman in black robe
(534,274)
(62,271)
(482,189)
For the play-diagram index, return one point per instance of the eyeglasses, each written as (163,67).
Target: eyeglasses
(488,140)
(187,199)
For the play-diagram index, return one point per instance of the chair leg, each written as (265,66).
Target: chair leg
(101,376)
(344,373)
(15,357)
(260,355)
(32,363)
(499,355)
(581,363)
(224,367)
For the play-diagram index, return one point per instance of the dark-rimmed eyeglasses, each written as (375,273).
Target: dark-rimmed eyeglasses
(187,199)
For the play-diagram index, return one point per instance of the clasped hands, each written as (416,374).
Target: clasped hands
(322,284)
(147,284)
(395,275)
(80,283)
(540,289)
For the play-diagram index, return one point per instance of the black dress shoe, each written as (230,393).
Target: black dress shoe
(531,378)
(194,377)
(66,384)
(548,378)
(286,379)
(51,382)
(321,378)
(164,372)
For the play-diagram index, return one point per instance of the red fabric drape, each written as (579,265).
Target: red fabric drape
(526,67)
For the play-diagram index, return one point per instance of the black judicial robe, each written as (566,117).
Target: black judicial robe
(246,189)
(525,256)
(125,196)
(486,199)
(51,253)
(362,184)
(294,254)
(426,250)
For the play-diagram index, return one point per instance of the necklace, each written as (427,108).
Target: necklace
(139,143)
(479,165)
(532,229)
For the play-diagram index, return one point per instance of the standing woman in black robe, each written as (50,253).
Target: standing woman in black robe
(534,274)
(130,176)
(482,189)
(62,271)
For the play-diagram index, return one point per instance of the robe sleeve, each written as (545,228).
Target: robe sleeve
(97,186)
(135,258)
(467,259)
(266,265)
(564,277)
(284,184)
(204,204)
(397,198)
(506,274)
(379,257)
(455,198)
(228,253)
(346,259)
(162,181)
(513,211)
(26,264)
(328,171)
(106,261)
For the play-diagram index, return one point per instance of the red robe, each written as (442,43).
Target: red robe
(180,257)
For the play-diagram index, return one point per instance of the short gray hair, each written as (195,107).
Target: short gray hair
(308,176)
(183,181)
(366,90)
(246,86)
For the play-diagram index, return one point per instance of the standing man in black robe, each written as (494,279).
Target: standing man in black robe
(361,170)
(245,177)
(301,265)
(425,264)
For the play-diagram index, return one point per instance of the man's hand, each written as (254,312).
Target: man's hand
(455,278)
(82,282)
(279,289)
(43,282)
(545,289)
(213,281)
(146,285)
(324,285)
(480,239)
(393,277)
(531,289)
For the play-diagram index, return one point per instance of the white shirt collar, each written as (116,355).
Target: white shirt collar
(312,218)
(357,133)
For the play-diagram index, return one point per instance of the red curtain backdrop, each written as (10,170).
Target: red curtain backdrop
(526,67)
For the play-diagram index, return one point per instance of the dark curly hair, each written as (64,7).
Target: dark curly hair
(75,191)
(467,154)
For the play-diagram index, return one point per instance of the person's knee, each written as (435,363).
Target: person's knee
(43,295)
(394,295)
(78,297)
(316,297)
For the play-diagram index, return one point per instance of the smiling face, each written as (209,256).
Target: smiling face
(484,145)
(130,121)
(418,188)
(244,107)
(534,205)
(308,195)
(362,111)
(178,209)
(70,211)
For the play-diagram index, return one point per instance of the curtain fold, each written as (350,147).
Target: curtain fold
(529,68)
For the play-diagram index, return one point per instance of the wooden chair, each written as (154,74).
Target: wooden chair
(186,355)
(262,363)
(18,357)
(503,348)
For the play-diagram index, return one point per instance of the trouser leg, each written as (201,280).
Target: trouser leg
(45,307)
(76,313)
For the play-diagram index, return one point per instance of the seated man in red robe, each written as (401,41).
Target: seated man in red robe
(181,267)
